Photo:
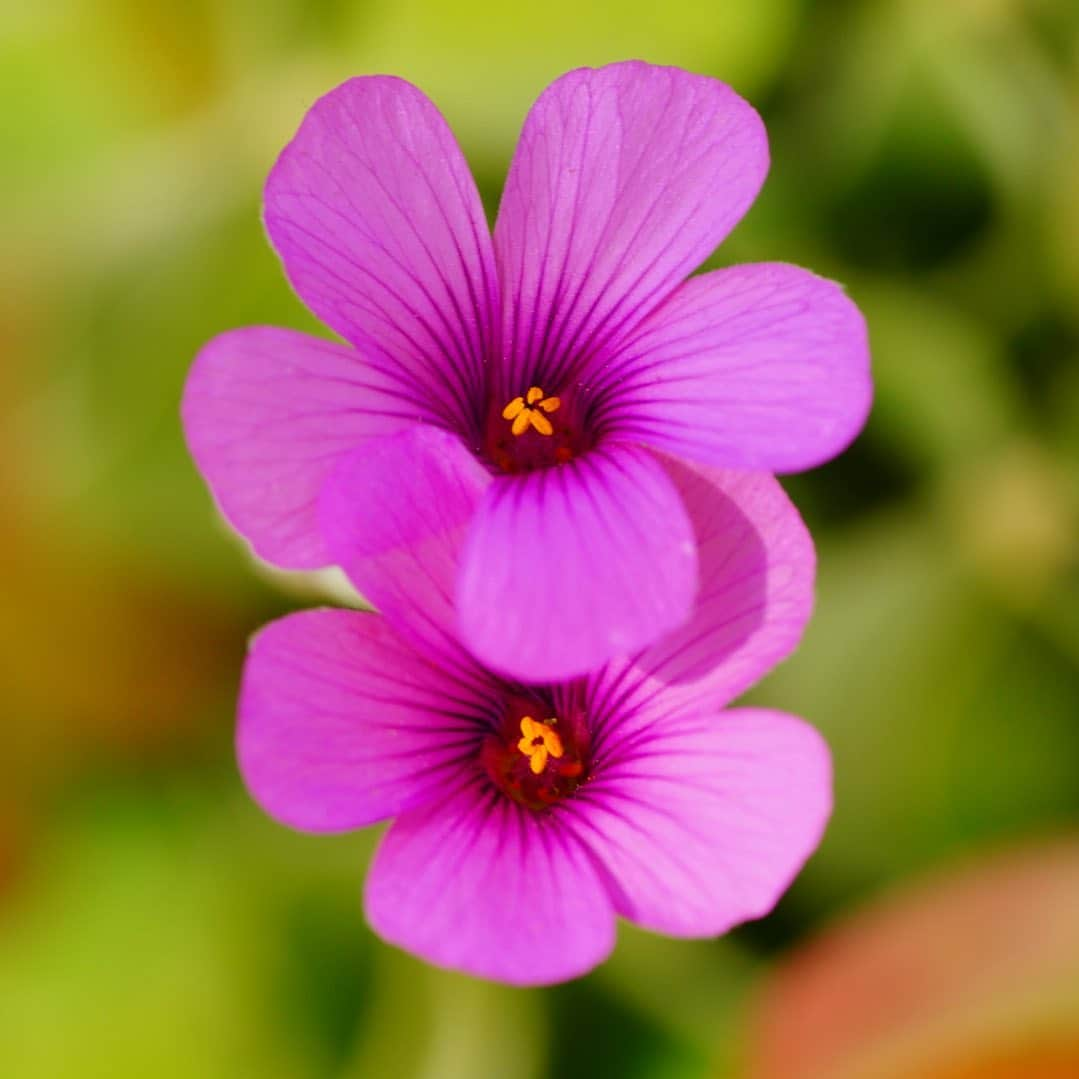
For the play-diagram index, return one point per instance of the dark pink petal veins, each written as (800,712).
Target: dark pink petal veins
(395,514)
(381,231)
(757,571)
(568,567)
(343,723)
(477,883)
(267,414)
(704,824)
(758,366)
(625,179)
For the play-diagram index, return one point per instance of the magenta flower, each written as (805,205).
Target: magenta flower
(528,817)
(561,355)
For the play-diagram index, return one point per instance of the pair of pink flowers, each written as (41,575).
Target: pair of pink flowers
(545,457)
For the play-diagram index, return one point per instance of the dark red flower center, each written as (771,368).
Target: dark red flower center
(534,757)
(534,430)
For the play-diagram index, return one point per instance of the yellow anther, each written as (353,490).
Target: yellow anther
(540,422)
(528,412)
(538,742)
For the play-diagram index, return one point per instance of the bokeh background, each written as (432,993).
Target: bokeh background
(153,923)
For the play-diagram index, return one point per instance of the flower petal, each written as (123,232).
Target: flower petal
(267,413)
(756,567)
(704,823)
(760,366)
(569,566)
(395,515)
(479,884)
(625,179)
(381,231)
(342,723)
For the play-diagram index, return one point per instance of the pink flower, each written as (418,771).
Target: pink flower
(561,355)
(526,818)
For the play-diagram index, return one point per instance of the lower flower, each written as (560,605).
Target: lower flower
(527,818)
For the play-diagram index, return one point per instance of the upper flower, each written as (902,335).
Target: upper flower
(561,354)
(527,817)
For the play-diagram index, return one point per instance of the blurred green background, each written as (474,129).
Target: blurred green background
(152,922)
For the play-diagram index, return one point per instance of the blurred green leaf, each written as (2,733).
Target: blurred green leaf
(918,684)
(943,390)
(485,63)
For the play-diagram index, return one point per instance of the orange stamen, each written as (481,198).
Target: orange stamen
(528,411)
(538,742)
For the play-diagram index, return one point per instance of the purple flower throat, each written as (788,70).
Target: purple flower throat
(536,430)
(535,757)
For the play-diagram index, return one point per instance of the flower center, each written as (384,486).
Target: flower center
(526,434)
(537,762)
